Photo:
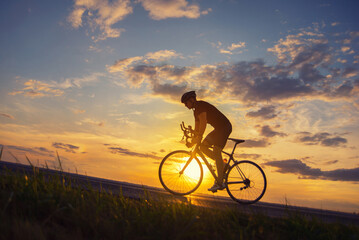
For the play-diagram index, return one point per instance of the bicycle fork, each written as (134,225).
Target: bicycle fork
(187,163)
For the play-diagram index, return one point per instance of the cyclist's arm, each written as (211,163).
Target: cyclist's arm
(201,124)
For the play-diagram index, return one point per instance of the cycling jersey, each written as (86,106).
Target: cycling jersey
(222,126)
(214,116)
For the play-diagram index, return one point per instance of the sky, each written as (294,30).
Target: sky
(99,82)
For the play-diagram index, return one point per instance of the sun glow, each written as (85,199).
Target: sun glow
(192,171)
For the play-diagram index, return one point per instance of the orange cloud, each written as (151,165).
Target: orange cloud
(6,115)
(163,9)
(162,55)
(100,15)
(122,64)
(237,45)
(91,122)
(35,88)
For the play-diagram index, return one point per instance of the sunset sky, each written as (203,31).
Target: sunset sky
(100,82)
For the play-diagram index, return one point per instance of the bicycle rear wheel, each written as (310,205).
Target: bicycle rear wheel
(246,182)
(173,179)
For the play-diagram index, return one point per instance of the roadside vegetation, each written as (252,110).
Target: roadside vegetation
(35,206)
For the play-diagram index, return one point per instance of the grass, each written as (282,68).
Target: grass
(35,206)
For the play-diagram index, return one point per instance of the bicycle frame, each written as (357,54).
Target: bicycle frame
(209,166)
(238,174)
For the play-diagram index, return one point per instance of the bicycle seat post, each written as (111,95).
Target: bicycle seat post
(234,148)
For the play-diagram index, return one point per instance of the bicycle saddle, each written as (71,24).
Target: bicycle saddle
(237,140)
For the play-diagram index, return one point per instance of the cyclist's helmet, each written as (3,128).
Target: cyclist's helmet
(187,96)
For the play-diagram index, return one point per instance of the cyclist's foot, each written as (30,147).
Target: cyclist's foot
(217,187)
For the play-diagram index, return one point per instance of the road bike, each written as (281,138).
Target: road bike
(181,172)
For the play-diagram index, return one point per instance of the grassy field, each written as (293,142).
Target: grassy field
(33,206)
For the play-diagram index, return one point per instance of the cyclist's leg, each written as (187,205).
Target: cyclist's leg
(219,139)
(215,139)
(206,144)
(217,152)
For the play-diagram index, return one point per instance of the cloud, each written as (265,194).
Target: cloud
(237,45)
(100,15)
(331,162)
(350,72)
(304,61)
(354,34)
(255,143)
(266,131)
(32,150)
(78,111)
(7,116)
(91,122)
(122,65)
(78,82)
(162,55)
(163,9)
(303,47)
(124,151)
(229,50)
(304,171)
(345,48)
(75,17)
(38,89)
(322,138)
(266,112)
(35,89)
(251,156)
(224,51)
(137,71)
(246,82)
(168,90)
(310,74)
(67,147)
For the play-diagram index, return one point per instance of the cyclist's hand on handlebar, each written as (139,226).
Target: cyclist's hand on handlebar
(189,144)
(197,139)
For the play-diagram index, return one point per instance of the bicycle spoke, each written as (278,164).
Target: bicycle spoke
(246,182)
(184,183)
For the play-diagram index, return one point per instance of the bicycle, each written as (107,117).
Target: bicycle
(181,172)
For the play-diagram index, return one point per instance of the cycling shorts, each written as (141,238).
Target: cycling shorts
(218,137)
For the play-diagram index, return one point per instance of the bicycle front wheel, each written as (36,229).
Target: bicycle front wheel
(246,182)
(178,179)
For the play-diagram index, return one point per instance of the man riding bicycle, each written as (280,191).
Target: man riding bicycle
(204,113)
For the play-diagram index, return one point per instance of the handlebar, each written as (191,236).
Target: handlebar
(188,132)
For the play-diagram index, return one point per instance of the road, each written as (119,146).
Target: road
(136,191)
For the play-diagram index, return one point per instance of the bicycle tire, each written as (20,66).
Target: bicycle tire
(172,180)
(248,190)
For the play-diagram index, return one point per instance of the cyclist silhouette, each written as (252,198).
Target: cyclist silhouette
(204,113)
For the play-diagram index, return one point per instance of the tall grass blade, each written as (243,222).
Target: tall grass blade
(2,147)
(17,160)
(58,159)
(28,160)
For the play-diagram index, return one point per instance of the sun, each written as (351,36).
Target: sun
(192,171)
